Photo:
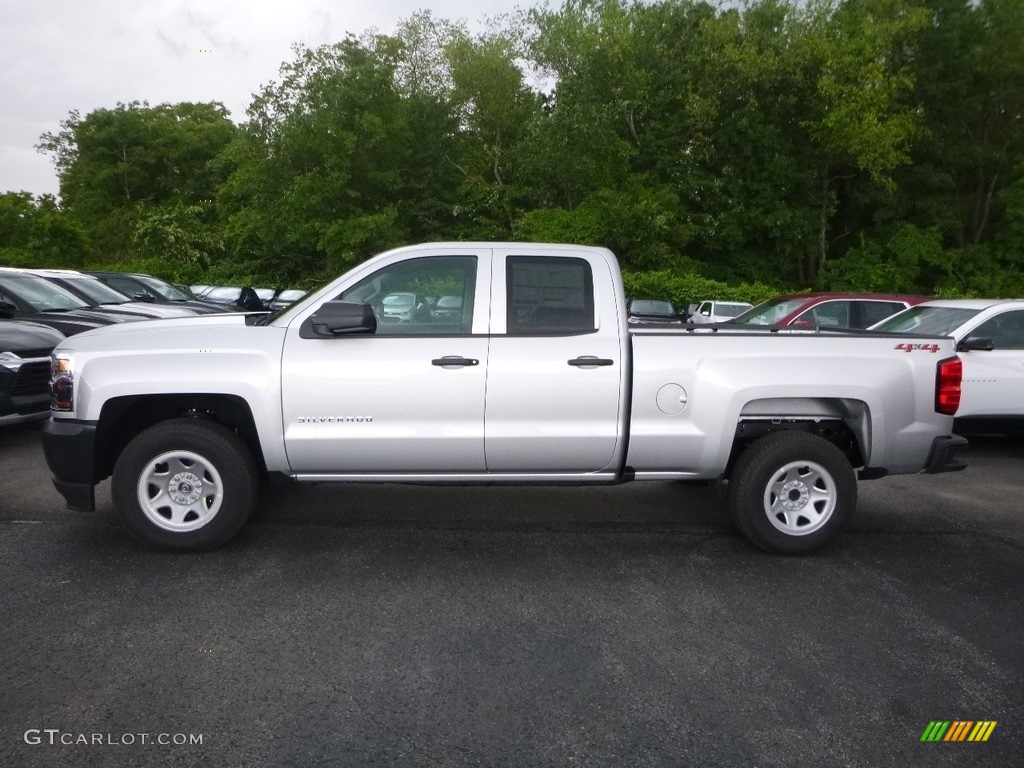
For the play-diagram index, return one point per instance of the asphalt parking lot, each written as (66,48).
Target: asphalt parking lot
(410,626)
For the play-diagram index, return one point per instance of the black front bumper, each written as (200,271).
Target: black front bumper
(70,449)
(942,458)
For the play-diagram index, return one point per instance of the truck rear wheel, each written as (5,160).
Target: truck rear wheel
(791,493)
(184,485)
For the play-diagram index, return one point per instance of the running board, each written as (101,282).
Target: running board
(512,478)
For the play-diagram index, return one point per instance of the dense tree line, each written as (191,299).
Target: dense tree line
(855,144)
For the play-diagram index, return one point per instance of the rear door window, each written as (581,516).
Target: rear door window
(549,296)
(830,314)
(871,312)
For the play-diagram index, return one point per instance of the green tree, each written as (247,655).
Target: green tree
(494,107)
(35,232)
(112,161)
(317,174)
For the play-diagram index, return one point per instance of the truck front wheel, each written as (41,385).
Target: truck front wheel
(184,485)
(791,493)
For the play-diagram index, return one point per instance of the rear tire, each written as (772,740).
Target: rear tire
(185,485)
(792,493)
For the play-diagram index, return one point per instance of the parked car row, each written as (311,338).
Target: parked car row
(248,298)
(40,307)
(827,310)
(989,334)
(804,310)
(663,312)
(147,288)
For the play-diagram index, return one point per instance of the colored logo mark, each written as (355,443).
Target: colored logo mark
(958,730)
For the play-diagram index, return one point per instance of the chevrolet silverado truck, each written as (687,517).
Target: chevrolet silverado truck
(535,379)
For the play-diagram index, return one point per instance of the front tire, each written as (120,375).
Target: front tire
(791,493)
(185,485)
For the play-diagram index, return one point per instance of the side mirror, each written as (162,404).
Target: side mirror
(7,309)
(975,343)
(142,296)
(339,318)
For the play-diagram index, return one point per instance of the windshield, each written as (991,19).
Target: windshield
(730,310)
(40,294)
(933,321)
(398,300)
(91,289)
(163,289)
(770,312)
(223,294)
(651,307)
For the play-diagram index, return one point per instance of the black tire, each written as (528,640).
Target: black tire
(185,485)
(791,493)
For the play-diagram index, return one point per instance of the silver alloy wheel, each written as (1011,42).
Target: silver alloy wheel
(180,491)
(800,498)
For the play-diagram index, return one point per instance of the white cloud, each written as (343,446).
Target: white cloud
(60,55)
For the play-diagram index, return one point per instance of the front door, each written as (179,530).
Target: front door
(994,381)
(408,398)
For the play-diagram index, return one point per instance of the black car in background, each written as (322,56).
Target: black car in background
(447,307)
(152,289)
(286,297)
(100,295)
(239,299)
(652,312)
(29,297)
(25,370)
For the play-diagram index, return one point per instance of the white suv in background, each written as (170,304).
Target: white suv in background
(990,340)
(718,311)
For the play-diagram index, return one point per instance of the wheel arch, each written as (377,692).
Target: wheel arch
(844,422)
(122,418)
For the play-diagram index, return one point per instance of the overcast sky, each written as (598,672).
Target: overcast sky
(60,55)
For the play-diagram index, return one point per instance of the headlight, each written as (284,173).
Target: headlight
(62,382)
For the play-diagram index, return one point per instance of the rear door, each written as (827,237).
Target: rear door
(556,367)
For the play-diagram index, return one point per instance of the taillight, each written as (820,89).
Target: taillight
(947,385)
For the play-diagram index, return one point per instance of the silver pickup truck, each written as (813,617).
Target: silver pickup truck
(488,363)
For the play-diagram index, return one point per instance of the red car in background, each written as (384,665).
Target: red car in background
(828,310)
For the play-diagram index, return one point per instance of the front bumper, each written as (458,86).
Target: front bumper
(70,449)
(942,456)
